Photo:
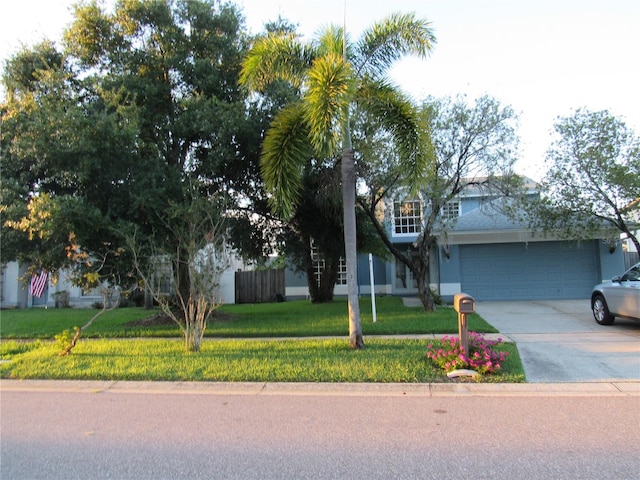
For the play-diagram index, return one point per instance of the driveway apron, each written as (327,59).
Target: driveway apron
(559,341)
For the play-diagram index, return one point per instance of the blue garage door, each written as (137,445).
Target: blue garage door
(529,271)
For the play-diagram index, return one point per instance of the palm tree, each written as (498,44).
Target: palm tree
(334,76)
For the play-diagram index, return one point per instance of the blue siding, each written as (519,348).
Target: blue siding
(611,263)
(450,266)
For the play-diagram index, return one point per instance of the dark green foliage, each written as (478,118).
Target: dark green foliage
(141,105)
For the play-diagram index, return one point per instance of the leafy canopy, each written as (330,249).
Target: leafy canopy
(593,178)
(142,101)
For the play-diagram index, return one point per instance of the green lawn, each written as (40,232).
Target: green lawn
(286,319)
(115,351)
(310,360)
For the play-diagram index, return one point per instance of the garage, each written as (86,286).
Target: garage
(529,270)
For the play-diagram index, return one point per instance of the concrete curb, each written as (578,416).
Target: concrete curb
(614,388)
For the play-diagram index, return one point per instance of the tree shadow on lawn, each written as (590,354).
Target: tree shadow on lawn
(161,319)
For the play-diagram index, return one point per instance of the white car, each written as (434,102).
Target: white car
(619,297)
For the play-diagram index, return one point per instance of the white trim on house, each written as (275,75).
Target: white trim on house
(447,289)
(411,220)
(303,291)
(491,236)
(381,289)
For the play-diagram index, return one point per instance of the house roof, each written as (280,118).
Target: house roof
(477,186)
(488,224)
(485,219)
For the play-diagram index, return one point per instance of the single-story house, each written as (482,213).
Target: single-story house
(15,294)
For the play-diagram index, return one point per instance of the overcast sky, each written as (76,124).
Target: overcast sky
(543,57)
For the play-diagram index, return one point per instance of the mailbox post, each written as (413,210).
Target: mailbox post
(463,304)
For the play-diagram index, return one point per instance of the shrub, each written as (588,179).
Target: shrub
(63,339)
(482,356)
(61,299)
(437,298)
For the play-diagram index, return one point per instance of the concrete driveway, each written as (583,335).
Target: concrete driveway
(559,341)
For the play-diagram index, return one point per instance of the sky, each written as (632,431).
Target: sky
(545,58)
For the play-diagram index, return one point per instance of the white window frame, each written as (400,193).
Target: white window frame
(319,266)
(408,222)
(450,210)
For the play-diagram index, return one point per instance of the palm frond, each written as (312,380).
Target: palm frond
(390,39)
(401,118)
(285,151)
(329,92)
(276,57)
(330,40)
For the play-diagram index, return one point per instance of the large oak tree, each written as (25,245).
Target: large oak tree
(112,133)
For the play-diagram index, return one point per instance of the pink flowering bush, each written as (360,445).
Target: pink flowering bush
(482,357)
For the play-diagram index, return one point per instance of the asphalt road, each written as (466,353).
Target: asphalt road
(151,431)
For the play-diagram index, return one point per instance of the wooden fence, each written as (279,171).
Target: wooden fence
(259,286)
(630,259)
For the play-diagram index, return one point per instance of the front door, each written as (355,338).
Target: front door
(41,301)
(404,280)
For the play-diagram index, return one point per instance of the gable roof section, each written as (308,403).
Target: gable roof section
(485,219)
(489,225)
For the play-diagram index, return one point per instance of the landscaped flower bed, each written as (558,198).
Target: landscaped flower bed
(483,356)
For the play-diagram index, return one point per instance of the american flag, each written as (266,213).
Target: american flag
(38,284)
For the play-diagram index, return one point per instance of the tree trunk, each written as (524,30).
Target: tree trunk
(424,293)
(148,298)
(182,280)
(322,292)
(311,276)
(421,273)
(634,240)
(328,279)
(356,340)
(106,294)
(192,340)
(197,314)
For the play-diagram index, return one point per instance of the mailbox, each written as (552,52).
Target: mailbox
(463,303)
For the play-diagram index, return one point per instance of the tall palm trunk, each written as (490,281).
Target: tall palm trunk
(348,171)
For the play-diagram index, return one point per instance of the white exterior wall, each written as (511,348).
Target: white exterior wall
(13,294)
(227,291)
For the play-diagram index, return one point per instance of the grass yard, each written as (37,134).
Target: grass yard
(38,323)
(287,319)
(382,361)
(303,318)
(124,345)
